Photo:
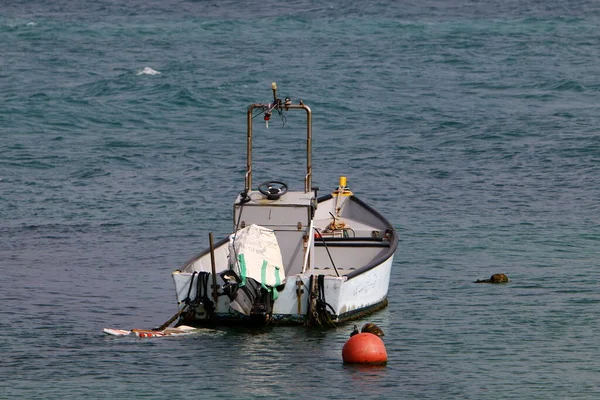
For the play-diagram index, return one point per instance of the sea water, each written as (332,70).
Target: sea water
(473,126)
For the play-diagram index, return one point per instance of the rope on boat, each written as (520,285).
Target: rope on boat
(328,253)
(187,300)
(202,297)
(318,313)
(202,294)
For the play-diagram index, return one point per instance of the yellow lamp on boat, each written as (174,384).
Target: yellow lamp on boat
(342,189)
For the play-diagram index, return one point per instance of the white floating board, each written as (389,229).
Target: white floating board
(180,330)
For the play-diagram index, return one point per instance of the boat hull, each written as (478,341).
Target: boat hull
(346,278)
(348,298)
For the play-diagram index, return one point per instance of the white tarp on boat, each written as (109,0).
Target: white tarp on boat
(254,253)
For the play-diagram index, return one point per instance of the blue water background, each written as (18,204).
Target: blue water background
(473,126)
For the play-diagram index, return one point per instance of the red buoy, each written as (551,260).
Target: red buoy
(364,348)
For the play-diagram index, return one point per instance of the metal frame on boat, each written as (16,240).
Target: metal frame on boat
(292,257)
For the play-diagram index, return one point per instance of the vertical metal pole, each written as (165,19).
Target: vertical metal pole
(308,178)
(213,268)
(249,148)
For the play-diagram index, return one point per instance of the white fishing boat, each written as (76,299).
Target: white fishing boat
(292,257)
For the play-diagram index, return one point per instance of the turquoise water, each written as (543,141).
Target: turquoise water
(471,125)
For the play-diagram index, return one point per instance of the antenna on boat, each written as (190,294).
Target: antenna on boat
(267,110)
(276,105)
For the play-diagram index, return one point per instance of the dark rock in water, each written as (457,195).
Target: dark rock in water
(372,328)
(496,278)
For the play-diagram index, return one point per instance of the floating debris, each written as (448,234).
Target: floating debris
(178,331)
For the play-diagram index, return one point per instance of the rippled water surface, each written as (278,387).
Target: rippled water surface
(471,125)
